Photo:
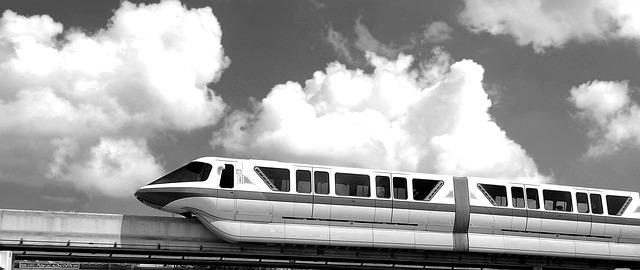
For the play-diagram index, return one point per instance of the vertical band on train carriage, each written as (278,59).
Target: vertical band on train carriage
(461,222)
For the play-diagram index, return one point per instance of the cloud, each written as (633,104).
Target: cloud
(495,93)
(317,5)
(366,42)
(612,117)
(339,44)
(551,24)
(435,68)
(93,95)
(115,166)
(353,52)
(393,118)
(437,32)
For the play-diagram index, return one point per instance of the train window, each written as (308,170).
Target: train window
(596,204)
(424,189)
(349,184)
(617,204)
(532,198)
(582,202)
(192,172)
(303,181)
(276,178)
(383,187)
(517,197)
(226,176)
(321,180)
(497,195)
(400,188)
(557,200)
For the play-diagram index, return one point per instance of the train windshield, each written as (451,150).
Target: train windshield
(192,172)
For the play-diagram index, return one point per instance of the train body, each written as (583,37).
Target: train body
(245,200)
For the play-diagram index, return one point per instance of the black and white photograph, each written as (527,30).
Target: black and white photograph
(319,134)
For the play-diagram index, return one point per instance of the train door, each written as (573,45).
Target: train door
(519,212)
(597,214)
(513,238)
(384,203)
(321,194)
(250,204)
(403,233)
(590,222)
(303,198)
(382,216)
(583,226)
(230,172)
(400,203)
(534,210)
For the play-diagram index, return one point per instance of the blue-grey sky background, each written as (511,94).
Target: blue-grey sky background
(586,137)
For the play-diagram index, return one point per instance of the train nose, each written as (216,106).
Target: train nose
(151,198)
(140,195)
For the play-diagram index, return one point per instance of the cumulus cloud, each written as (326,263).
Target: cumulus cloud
(551,24)
(612,117)
(395,118)
(114,166)
(100,95)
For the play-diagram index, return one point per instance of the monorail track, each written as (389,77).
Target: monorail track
(92,237)
(289,256)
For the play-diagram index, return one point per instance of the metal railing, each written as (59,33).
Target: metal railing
(290,256)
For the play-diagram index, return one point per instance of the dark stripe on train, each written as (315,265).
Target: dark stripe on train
(160,198)
(543,234)
(349,221)
(174,193)
(553,215)
(303,198)
(163,196)
(384,204)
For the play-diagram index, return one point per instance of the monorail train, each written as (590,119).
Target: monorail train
(244,200)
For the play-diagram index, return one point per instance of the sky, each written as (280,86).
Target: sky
(98,98)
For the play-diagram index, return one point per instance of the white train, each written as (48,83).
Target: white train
(274,202)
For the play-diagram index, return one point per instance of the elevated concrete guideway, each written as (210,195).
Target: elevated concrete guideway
(91,229)
(68,236)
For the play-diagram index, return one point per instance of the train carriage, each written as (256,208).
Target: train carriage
(244,200)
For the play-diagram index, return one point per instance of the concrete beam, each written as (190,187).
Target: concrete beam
(93,229)
(69,236)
